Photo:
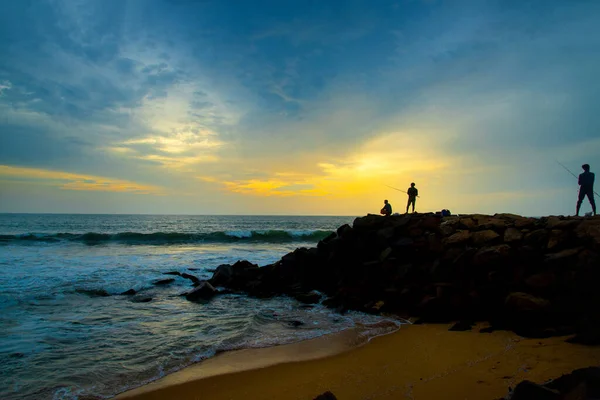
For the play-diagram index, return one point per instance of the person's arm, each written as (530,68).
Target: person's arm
(416,192)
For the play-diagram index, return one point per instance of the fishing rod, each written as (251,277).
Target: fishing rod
(575,176)
(400,190)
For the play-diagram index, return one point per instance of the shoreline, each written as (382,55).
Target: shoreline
(413,362)
(248,359)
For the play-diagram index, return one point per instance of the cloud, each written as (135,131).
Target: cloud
(70,181)
(311,104)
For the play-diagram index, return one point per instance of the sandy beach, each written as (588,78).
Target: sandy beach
(416,362)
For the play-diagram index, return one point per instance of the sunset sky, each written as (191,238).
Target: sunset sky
(296,107)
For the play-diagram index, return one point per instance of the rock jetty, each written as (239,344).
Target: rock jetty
(539,277)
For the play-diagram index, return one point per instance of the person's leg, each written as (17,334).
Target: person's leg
(408,205)
(590,195)
(579,200)
(413,204)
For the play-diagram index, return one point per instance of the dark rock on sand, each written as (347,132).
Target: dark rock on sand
(581,384)
(326,396)
(462,326)
(527,390)
(204,291)
(129,292)
(172,273)
(163,282)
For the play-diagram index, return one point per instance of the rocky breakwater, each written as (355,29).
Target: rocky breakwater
(536,276)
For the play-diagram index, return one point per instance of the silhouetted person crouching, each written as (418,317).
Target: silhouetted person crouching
(387,209)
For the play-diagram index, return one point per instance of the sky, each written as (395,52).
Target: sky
(297,107)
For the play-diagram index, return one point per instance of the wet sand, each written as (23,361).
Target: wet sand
(417,362)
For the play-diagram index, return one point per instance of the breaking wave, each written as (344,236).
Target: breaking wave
(162,238)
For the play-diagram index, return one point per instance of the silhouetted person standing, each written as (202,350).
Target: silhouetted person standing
(387,209)
(586,188)
(412,192)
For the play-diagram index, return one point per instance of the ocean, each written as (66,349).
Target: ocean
(66,332)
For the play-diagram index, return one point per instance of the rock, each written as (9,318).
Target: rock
(462,326)
(385,254)
(193,278)
(556,238)
(563,255)
(589,337)
(520,301)
(129,292)
(446,229)
(492,254)
(386,233)
(562,224)
(482,237)
(543,280)
(295,323)
(512,235)
(204,291)
(527,390)
(457,238)
(172,273)
(235,275)
(343,230)
(568,384)
(93,292)
(467,223)
(487,222)
(537,238)
(163,282)
(311,297)
(326,396)
(141,299)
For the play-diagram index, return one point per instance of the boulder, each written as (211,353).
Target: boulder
(129,292)
(446,228)
(512,235)
(163,282)
(193,278)
(459,237)
(565,255)
(93,292)
(204,291)
(466,223)
(528,390)
(141,299)
(537,238)
(172,273)
(542,281)
(482,237)
(326,396)
(311,297)
(519,301)
(491,254)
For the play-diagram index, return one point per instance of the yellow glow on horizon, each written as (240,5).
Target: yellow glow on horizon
(384,160)
(79,182)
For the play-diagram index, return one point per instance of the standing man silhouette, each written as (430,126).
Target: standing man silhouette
(412,192)
(586,188)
